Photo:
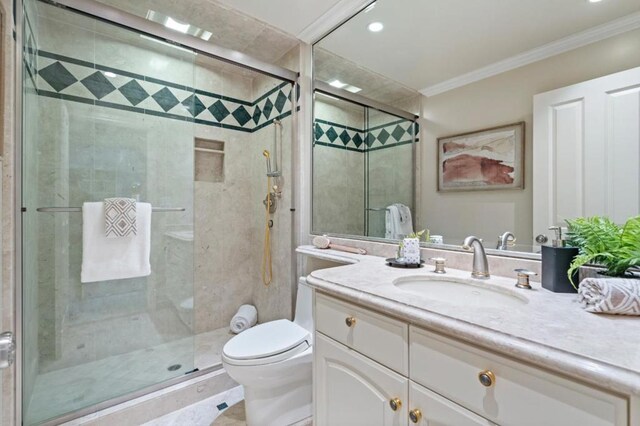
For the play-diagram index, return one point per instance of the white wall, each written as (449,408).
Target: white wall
(503,99)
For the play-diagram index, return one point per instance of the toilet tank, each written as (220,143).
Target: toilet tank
(304,305)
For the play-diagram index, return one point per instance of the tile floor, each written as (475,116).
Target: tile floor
(64,390)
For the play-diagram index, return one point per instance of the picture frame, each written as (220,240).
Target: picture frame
(487,159)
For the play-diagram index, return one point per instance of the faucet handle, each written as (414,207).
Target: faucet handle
(523,278)
(439,262)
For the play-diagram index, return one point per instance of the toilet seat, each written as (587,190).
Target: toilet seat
(266,343)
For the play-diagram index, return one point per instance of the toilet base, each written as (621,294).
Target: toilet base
(282,406)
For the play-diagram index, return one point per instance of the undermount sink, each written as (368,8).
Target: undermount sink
(469,293)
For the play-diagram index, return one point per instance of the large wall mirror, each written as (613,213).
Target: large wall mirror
(529,114)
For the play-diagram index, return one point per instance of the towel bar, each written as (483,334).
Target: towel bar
(79,209)
(378,209)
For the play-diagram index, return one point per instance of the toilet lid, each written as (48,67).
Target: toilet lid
(265,340)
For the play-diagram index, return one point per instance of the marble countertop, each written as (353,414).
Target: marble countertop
(550,330)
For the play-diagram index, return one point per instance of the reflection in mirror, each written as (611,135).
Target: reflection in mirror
(470,66)
(362,170)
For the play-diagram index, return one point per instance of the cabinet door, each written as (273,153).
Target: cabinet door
(353,390)
(434,410)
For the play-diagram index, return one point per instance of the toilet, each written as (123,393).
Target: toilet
(272,361)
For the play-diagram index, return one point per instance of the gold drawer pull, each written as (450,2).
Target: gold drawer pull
(487,378)
(415,415)
(350,321)
(395,404)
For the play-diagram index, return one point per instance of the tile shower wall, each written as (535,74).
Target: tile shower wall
(226,104)
(338,167)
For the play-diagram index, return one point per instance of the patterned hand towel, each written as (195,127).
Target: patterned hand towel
(114,258)
(610,295)
(120,217)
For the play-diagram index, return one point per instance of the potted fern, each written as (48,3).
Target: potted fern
(601,241)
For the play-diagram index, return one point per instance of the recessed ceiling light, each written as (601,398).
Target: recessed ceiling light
(110,74)
(374,27)
(595,1)
(175,25)
(340,85)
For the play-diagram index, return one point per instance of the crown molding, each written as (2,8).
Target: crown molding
(592,35)
(331,19)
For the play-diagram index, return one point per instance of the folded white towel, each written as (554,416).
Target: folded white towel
(245,318)
(114,258)
(610,295)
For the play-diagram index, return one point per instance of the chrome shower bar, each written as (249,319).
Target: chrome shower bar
(79,209)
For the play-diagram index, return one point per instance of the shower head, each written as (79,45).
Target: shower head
(267,155)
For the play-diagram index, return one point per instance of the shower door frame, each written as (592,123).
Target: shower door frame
(114,16)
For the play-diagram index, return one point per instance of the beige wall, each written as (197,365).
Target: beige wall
(503,99)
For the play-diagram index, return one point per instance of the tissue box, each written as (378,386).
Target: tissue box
(411,250)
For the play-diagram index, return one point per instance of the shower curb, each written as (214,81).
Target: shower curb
(147,407)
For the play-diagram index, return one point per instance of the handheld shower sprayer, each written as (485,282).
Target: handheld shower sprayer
(267,155)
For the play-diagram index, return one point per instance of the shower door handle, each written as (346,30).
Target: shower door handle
(7,349)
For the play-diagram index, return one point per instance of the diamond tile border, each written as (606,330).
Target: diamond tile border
(389,135)
(70,79)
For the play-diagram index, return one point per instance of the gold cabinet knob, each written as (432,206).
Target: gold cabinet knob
(395,404)
(415,415)
(350,321)
(487,378)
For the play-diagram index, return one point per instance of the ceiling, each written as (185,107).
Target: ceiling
(424,43)
(291,16)
(231,29)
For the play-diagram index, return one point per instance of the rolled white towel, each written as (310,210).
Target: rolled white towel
(610,295)
(246,317)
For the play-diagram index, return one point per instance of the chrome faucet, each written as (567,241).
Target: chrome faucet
(505,239)
(480,264)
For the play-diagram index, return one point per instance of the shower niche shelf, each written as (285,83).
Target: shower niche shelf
(209,160)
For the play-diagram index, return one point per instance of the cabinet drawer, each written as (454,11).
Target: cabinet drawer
(436,410)
(352,390)
(518,395)
(376,336)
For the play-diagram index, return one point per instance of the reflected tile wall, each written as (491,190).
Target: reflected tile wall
(348,145)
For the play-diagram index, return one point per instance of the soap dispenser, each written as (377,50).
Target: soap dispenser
(556,261)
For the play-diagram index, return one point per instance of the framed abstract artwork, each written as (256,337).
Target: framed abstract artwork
(486,159)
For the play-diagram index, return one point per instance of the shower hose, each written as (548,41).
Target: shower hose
(267,272)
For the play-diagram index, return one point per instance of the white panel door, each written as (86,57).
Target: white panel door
(586,151)
(353,390)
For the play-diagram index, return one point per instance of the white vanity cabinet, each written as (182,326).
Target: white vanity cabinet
(371,369)
(351,389)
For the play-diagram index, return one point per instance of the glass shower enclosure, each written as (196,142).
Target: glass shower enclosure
(95,127)
(363,161)
(110,112)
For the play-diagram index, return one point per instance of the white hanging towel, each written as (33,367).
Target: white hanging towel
(406,224)
(245,318)
(114,258)
(391,219)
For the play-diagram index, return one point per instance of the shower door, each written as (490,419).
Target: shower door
(107,113)
(389,167)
